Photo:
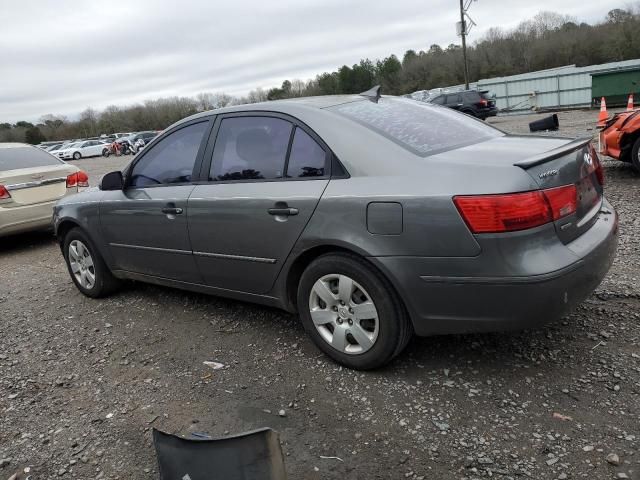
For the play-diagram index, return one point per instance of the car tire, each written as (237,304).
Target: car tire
(105,152)
(635,155)
(361,337)
(77,155)
(86,266)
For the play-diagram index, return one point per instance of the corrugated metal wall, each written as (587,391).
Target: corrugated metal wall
(563,87)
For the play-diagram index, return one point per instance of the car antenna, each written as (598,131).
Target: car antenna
(372,94)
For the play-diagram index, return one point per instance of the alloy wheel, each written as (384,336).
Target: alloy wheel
(344,314)
(81,264)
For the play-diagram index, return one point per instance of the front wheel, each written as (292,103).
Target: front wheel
(77,156)
(105,152)
(85,264)
(351,312)
(635,155)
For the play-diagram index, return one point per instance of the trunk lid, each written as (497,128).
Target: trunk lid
(28,186)
(574,163)
(550,162)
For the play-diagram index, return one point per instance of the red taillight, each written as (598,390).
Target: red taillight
(600,174)
(83,179)
(4,193)
(599,171)
(503,213)
(562,200)
(516,211)
(78,179)
(483,103)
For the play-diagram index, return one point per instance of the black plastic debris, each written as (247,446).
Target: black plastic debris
(547,123)
(254,455)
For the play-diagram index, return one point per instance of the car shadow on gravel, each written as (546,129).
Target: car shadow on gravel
(488,353)
(620,170)
(509,353)
(23,242)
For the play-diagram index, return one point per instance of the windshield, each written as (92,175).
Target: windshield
(421,128)
(14,158)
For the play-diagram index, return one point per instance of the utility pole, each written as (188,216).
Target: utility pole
(463,34)
(463,30)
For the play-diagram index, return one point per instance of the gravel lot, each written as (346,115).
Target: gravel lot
(82,382)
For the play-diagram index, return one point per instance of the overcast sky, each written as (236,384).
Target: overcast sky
(65,55)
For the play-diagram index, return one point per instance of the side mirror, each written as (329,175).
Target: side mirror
(112,181)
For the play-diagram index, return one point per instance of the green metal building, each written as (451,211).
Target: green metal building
(615,86)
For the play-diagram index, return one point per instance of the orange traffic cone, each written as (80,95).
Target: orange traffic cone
(630,103)
(602,117)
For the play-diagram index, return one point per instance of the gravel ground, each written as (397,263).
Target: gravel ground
(82,382)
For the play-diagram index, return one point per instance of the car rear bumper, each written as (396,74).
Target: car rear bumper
(490,112)
(441,304)
(25,218)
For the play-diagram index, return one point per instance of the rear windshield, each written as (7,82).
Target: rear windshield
(13,158)
(421,128)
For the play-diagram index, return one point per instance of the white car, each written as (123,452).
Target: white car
(31,182)
(88,148)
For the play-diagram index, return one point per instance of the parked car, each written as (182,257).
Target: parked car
(31,181)
(78,150)
(55,147)
(620,137)
(46,145)
(373,218)
(472,102)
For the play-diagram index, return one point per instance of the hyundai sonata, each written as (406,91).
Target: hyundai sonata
(372,217)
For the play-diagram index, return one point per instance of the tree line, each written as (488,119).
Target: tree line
(547,40)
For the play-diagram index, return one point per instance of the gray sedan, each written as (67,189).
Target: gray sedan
(373,218)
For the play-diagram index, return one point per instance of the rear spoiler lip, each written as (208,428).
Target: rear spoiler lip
(553,154)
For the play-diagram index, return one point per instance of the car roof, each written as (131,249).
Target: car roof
(287,105)
(15,145)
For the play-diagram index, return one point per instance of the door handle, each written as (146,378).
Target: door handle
(172,210)
(286,211)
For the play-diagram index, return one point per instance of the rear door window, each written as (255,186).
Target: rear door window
(250,148)
(307,158)
(470,97)
(453,99)
(13,158)
(419,127)
(439,100)
(171,160)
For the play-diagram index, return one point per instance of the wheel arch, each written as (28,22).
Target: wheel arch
(64,227)
(304,259)
(626,144)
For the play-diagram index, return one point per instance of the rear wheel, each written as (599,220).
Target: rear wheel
(86,267)
(105,152)
(77,156)
(351,312)
(635,155)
